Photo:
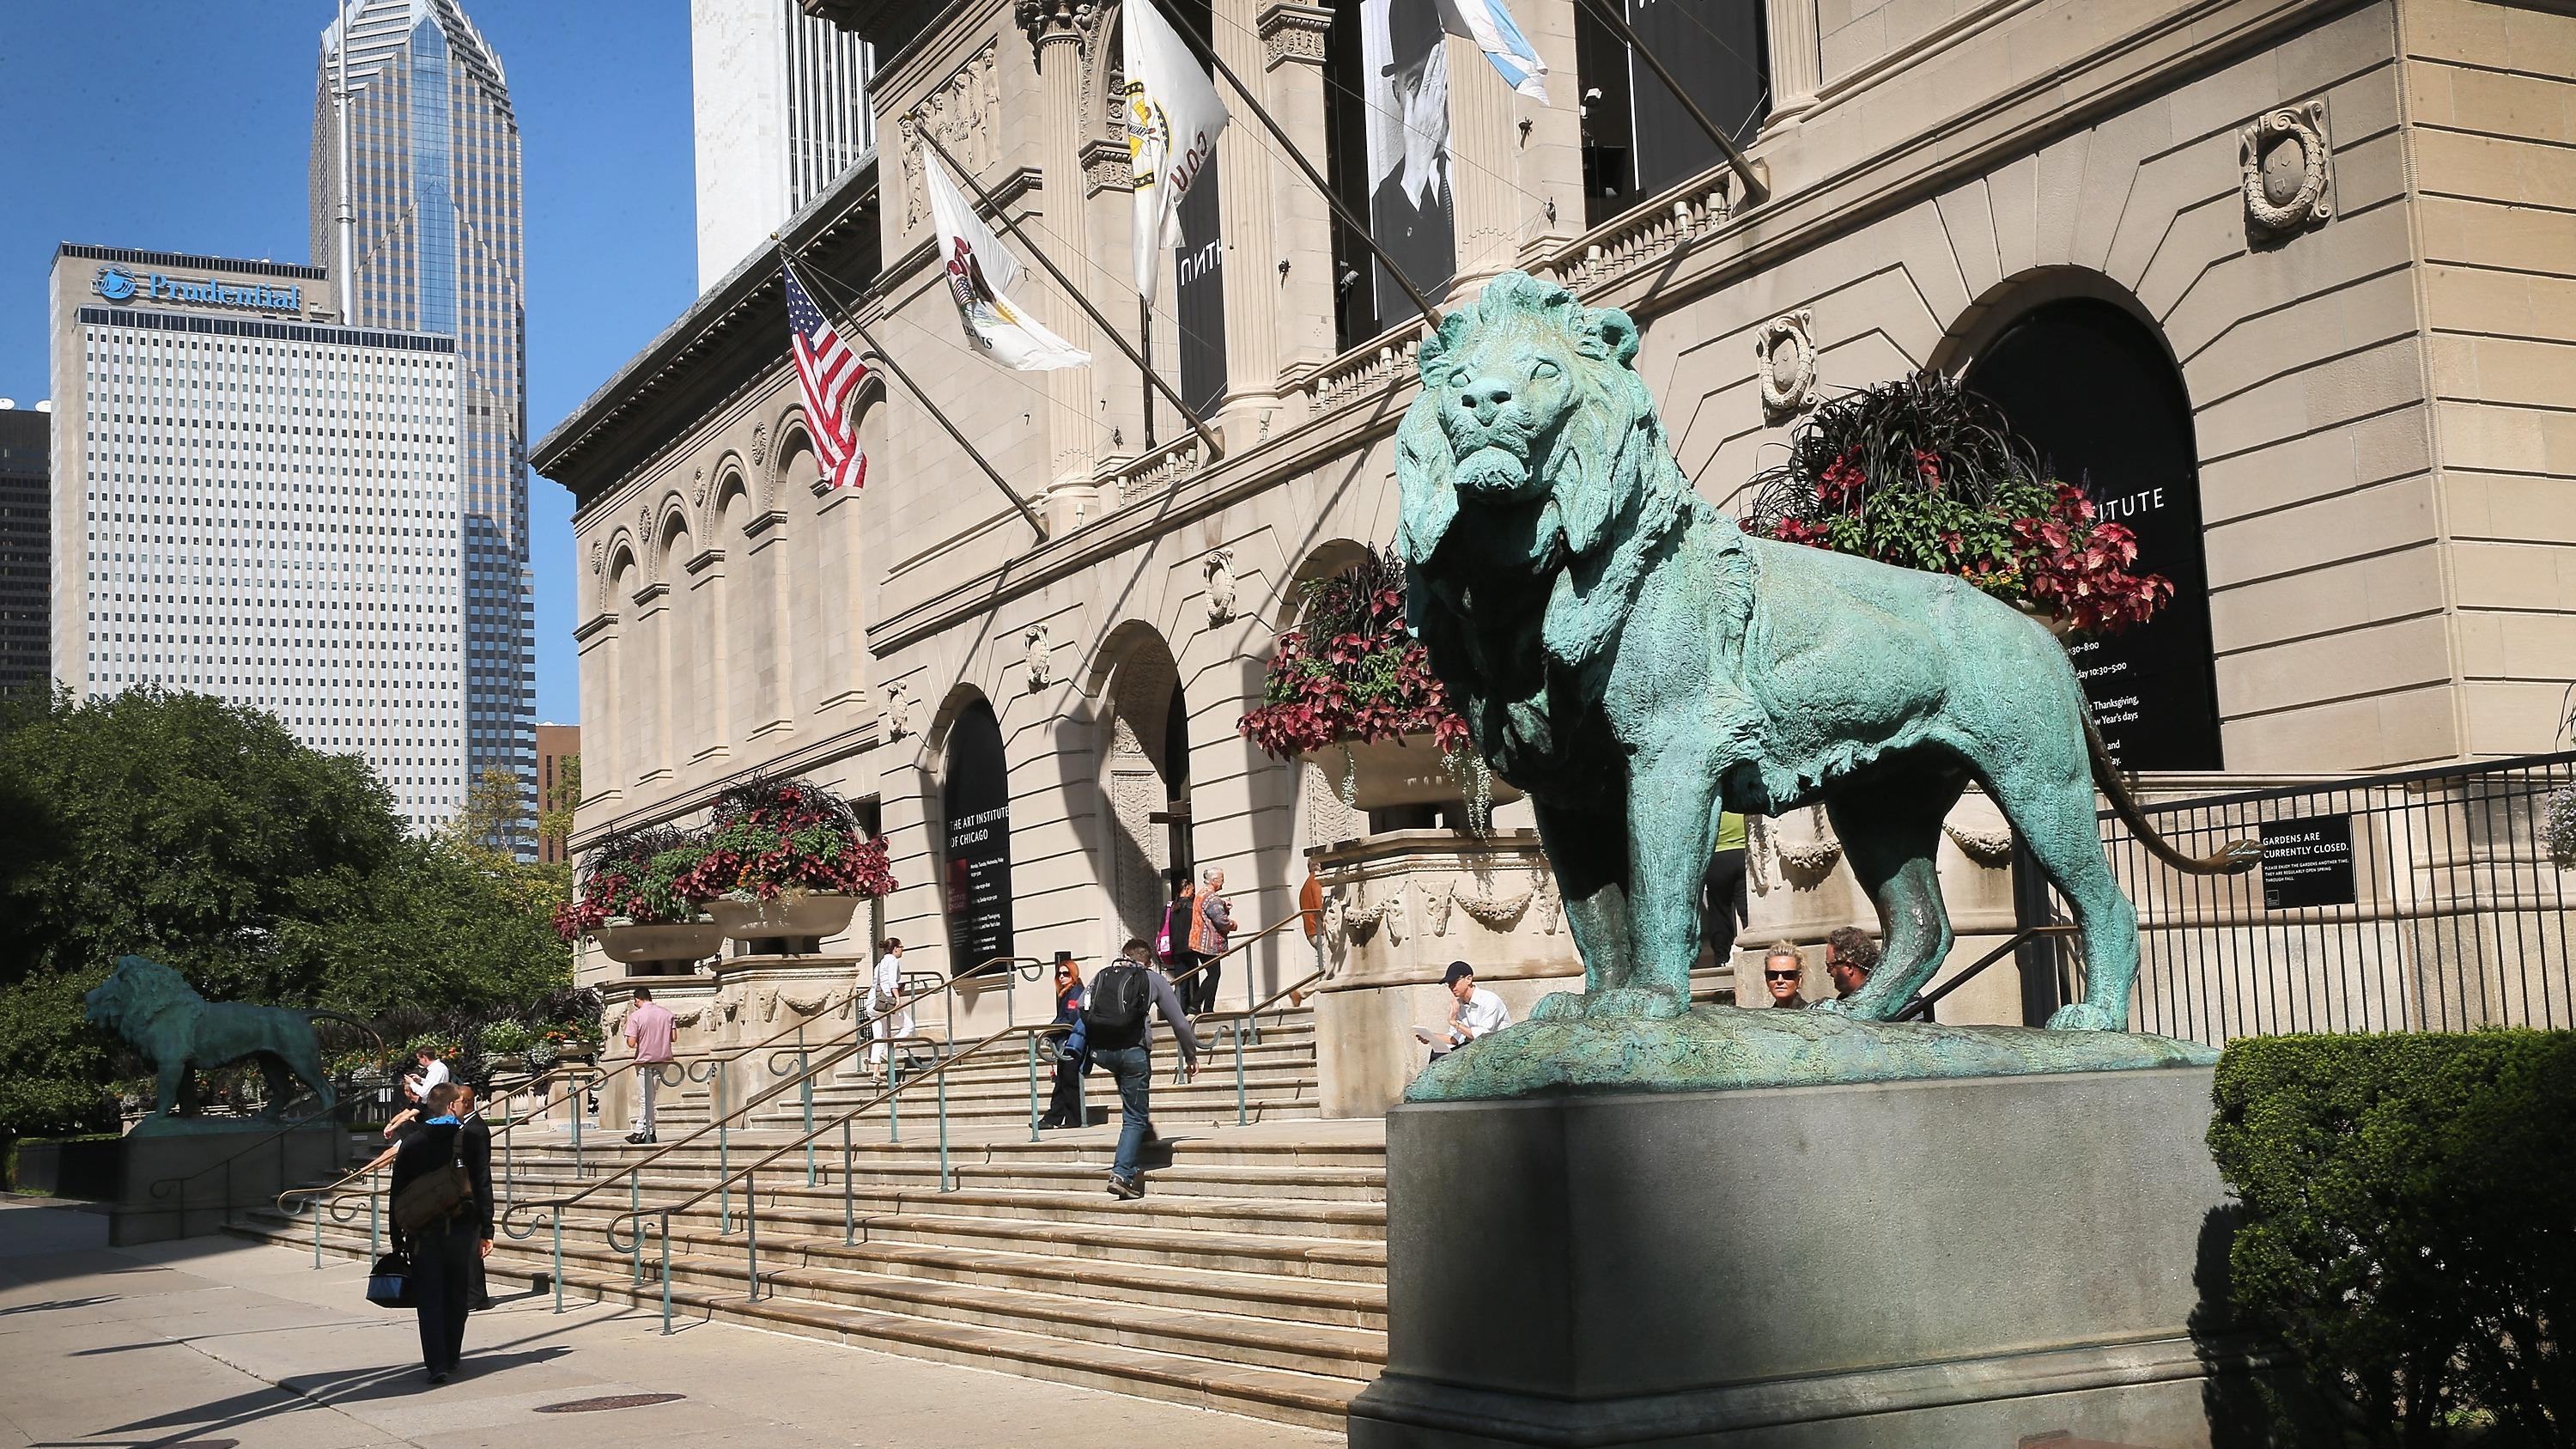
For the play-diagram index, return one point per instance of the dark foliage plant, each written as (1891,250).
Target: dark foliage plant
(768,838)
(634,876)
(1924,474)
(2410,1225)
(1352,670)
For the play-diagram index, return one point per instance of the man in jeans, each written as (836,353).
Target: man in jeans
(1118,1026)
(648,1031)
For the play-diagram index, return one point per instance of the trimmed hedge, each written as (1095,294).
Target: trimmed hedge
(2410,1224)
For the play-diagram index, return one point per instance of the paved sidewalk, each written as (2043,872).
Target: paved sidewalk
(213,1342)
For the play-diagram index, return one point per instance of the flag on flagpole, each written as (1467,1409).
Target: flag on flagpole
(1489,24)
(1173,120)
(826,372)
(980,274)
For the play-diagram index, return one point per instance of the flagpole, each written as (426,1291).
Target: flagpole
(1756,190)
(1198,425)
(1332,198)
(877,351)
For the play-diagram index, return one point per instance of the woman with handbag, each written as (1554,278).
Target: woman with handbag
(442,1199)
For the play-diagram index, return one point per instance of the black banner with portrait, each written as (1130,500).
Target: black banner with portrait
(2096,393)
(975,841)
(1405,66)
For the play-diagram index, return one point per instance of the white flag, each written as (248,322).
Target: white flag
(1173,119)
(980,275)
(1490,25)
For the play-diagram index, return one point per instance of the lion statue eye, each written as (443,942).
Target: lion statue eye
(1545,367)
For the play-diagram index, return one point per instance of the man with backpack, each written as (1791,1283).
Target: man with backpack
(1116,1027)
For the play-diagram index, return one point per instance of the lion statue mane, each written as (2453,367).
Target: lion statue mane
(1636,664)
(162,1017)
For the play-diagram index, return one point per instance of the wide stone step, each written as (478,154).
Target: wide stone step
(786,1191)
(1184,1179)
(1233,1386)
(1303,1142)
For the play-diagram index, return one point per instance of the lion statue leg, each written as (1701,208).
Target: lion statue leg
(1672,827)
(1589,852)
(1891,830)
(2047,793)
(168,1078)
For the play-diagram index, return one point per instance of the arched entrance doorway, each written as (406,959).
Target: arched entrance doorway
(1148,785)
(2094,389)
(975,840)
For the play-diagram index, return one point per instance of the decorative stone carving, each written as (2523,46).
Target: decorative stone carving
(759,443)
(1220,586)
(598,558)
(897,710)
(2288,163)
(1986,847)
(698,488)
(1039,652)
(1106,167)
(962,111)
(1786,349)
(1293,33)
(1047,20)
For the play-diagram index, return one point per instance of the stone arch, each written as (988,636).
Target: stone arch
(2085,372)
(728,471)
(791,437)
(673,533)
(1324,560)
(942,777)
(1143,749)
(620,553)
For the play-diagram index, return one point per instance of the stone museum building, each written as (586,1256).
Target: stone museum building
(2289,285)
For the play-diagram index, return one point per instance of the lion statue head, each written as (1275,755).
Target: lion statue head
(135,992)
(1531,405)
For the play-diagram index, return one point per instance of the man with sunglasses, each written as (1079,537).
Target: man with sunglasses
(1782,967)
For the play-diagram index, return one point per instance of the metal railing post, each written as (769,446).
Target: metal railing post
(751,1229)
(894,1103)
(558,1273)
(805,1090)
(573,1100)
(1241,1116)
(943,1127)
(509,1169)
(666,1273)
(317,1227)
(1033,1086)
(635,1205)
(724,1182)
(849,1204)
(374,1225)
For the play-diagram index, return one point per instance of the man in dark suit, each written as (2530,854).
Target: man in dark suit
(445,1254)
(1409,212)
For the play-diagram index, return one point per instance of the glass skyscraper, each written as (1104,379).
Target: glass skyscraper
(432,244)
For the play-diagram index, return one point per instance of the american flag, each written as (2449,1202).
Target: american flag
(826,370)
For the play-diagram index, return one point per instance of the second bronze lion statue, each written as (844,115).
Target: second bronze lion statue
(163,1018)
(1636,663)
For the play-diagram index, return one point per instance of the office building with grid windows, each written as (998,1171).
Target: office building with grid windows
(413,128)
(779,105)
(251,503)
(26,449)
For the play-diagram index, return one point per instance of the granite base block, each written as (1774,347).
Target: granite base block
(181,1185)
(1974,1262)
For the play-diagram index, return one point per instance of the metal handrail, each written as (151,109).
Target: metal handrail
(1238,1025)
(1920,1007)
(721,1125)
(1238,948)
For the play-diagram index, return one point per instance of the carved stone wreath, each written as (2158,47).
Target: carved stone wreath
(1786,349)
(759,443)
(2288,169)
(1040,660)
(898,710)
(1220,586)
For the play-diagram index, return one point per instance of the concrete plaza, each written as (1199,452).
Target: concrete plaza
(212,1341)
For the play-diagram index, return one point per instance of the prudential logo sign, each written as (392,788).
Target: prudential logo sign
(116,284)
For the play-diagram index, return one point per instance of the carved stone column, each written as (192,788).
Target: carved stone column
(1062,33)
(1550,152)
(1797,61)
(1292,58)
(1247,219)
(1484,167)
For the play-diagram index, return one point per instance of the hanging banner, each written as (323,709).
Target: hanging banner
(1199,307)
(975,841)
(1173,120)
(1407,69)
(980,276)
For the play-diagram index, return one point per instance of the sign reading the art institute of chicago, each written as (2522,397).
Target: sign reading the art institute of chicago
(977,838)
(2307,861)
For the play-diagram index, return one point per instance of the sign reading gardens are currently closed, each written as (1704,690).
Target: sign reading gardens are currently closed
(2307,861)
(975,841)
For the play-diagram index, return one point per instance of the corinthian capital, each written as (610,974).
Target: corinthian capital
(1047,20)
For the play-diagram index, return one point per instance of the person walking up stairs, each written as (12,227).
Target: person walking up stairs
(1116,1025)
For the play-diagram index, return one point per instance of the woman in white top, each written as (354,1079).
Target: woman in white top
(885,992)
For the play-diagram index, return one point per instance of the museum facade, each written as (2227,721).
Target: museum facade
(2289,285)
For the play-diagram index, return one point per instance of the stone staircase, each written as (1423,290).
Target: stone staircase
(1251,1278)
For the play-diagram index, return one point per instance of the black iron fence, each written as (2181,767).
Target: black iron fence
(2420,901)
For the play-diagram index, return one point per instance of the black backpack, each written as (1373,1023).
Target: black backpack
(1120,996)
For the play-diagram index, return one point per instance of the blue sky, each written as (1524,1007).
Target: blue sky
(185,125)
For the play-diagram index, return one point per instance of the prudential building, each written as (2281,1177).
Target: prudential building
(416,211)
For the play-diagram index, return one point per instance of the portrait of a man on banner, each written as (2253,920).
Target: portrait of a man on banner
(1408,147)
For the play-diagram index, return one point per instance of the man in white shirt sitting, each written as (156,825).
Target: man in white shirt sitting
(428,1072)
(1478,1012)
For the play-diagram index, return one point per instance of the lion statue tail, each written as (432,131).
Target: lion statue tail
(2233,858)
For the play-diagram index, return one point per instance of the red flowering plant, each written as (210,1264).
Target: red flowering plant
(632,878)
(1925,474)
(1352,671)
(773,838)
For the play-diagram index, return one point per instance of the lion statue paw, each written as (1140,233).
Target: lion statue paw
(1560,1006)
(2083,1016)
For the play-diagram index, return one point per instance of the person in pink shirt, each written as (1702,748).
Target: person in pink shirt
(648,1033)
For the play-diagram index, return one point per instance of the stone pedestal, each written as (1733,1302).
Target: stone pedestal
(1402,905)
(1972,1262)
(184,1180)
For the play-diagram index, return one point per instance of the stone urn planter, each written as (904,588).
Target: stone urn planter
(686,941)
(814,915)
(1409,770)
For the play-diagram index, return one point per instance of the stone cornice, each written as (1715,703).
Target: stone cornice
(2191,41)
(706,559)
(597,624)
(654,590)
(1049,20)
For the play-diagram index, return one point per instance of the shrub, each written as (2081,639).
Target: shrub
(633,877)
(2411,1223)
(1924,474)
(1352,670)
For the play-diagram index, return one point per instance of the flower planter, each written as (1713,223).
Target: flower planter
(687,941)
(815,915)
(1409,770)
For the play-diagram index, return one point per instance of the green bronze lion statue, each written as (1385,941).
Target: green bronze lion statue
(162,1017)
(1635,663)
